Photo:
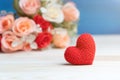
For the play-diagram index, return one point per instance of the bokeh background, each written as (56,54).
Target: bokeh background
(97,16)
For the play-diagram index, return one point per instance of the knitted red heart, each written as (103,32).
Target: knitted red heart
(84,51)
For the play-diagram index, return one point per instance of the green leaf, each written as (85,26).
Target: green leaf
(17,8)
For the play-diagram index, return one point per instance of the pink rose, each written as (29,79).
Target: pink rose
(70,11)
(7,42)
(23,26)
(29,7)
(6,23)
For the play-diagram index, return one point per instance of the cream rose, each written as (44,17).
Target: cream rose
(8,42)
(29,7)
(6,23)
(29,42)
(23,26)
(53,13)
(70,11)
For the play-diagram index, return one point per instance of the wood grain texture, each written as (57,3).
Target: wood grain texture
(50,64)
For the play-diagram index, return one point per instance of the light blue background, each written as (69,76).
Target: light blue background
(97,16)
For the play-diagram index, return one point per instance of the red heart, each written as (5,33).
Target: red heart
(84,51)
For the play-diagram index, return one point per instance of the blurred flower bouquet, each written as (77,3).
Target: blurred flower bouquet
(39,24)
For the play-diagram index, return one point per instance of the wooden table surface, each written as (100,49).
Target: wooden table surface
(50,64)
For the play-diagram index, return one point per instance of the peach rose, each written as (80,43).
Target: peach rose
(71,13)
(29,7)
(23,26)
(10,42)
(6,23)
(60,38)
